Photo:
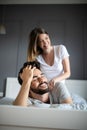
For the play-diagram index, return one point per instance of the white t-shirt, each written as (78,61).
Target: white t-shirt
(60,52)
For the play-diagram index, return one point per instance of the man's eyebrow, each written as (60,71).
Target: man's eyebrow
(34,76)
(42,73)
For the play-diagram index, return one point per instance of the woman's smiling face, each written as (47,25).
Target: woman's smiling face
(44,41)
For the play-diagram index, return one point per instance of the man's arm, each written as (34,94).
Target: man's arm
(22,97)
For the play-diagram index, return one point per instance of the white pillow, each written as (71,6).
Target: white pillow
(77,99)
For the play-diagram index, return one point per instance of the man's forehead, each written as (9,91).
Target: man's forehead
(37,72)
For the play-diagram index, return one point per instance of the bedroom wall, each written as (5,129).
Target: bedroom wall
(66,24)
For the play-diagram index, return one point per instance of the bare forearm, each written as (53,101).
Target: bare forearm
(62,77)
(58,79)
(22,97)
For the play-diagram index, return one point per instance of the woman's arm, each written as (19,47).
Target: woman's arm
(65,75)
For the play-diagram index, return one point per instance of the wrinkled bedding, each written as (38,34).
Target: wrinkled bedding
(79,103)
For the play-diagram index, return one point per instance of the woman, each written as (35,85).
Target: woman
(54,60)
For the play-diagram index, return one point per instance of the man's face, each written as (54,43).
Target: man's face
(39,83)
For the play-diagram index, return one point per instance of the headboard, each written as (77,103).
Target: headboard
(12,87)
(74,86)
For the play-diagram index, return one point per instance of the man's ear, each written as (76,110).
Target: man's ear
(20,75)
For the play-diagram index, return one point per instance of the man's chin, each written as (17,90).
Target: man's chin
(40,91)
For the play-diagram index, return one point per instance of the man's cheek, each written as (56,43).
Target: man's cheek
(34,85)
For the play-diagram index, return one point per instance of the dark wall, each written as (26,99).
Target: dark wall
(66,24)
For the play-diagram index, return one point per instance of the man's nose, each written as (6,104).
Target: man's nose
(40,79)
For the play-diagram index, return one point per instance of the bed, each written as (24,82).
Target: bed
(46,116)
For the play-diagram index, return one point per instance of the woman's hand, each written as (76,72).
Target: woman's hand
(52,84)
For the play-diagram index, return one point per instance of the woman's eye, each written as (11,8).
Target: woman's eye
(46,38)
(41,42)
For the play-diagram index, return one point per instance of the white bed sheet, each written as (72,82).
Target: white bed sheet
(79,103)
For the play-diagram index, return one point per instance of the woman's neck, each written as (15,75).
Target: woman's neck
(48,51)
(49,57)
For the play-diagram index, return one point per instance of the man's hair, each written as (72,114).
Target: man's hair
(33,64)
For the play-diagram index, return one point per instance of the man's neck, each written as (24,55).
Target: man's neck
(44,98)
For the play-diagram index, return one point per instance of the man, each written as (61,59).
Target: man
(35,87)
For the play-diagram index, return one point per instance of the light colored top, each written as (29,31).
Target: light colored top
(56,96)
(60,52)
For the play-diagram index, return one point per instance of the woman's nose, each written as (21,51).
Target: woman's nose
(45,42)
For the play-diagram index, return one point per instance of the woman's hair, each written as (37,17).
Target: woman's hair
(33,48)
(33,64)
